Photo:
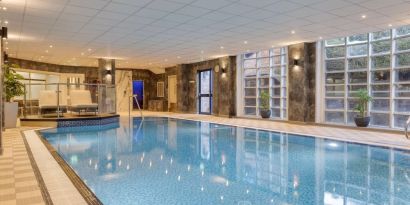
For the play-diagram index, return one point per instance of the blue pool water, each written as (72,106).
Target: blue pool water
(170,161)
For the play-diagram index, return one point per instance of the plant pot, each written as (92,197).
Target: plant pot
(10,114)
(264,113)
(362,121)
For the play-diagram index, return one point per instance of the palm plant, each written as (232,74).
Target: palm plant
(264,100)
(12,82)
(364,99)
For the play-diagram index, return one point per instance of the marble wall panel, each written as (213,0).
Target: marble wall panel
(123,82)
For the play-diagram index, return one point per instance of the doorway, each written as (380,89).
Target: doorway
(205,91)
(138,89)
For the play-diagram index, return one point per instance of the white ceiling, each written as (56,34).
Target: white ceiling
(160,33)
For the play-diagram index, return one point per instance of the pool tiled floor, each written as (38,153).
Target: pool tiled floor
(18,184)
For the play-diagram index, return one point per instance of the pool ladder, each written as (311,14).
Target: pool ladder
(406,128)
(134,97)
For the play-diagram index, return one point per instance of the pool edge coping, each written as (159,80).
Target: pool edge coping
(43,188)
(83,190)
(76,180)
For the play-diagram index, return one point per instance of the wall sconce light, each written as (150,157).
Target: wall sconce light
(296,62)
(223,70)
(4,32)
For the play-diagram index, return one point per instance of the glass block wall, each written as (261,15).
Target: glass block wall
(265,71)
(378,62)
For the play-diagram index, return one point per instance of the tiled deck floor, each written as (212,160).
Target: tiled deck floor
(18,184)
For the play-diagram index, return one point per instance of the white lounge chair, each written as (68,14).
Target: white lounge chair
(81,102)
(47,102)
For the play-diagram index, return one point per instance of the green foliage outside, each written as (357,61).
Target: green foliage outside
(12,82)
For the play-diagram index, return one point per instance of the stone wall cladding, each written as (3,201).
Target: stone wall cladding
(91,73)
(301,83)
(224,88)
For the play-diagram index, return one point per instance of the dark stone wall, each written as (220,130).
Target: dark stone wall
(224,88)
(302,82)
(91,73)
(104,67)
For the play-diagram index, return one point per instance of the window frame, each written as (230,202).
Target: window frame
(392,71)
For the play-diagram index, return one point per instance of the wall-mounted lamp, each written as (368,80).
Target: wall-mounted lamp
(223,70)
(296,62)
(4,32)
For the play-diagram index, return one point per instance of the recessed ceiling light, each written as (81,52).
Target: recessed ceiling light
(293,32)
(222,47)
(364,16)
(390,25)
(245,42)
(89,49)
(6,22)
(7,48)
(50,46)
(4,8)
(82,54)
(320,37)
(46,51)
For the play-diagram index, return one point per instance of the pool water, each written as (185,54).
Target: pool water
(172,161)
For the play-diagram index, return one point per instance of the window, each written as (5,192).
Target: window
(160,89)
(265,71)
(378,62)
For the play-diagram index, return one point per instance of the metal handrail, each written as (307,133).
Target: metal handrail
(406,128)
(138,105)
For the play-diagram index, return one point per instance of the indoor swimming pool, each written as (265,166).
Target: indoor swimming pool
(174,161)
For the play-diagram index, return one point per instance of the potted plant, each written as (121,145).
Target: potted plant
(12,87)
(264,105)
(363,119)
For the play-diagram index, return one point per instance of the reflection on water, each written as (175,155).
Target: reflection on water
(169,161)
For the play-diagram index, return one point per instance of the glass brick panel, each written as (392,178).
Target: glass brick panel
(337,104)
(334,117)
(379,119)
(381,47)
(381,62)
(335,52)
(357,63)
(335,65)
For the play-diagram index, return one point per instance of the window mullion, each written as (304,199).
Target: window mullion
(346,84)
(392,74)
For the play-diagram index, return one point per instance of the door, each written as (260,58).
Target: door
(172,93)
(138,89)
(205,91)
